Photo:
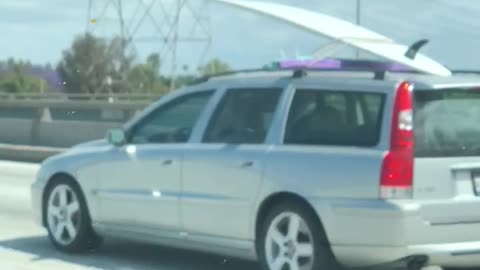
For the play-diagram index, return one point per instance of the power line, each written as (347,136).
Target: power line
(169,21)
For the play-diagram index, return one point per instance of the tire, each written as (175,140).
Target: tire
(67,218)
(308,248)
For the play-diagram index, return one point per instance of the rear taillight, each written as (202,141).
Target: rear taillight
(397,169)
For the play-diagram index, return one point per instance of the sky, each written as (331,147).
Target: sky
(39,30)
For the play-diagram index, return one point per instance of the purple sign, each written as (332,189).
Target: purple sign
(339,64)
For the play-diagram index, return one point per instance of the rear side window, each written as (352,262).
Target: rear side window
(447,123)
(320,117)
(244,116)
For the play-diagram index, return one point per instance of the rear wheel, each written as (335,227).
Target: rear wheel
(67,218)
(291,238)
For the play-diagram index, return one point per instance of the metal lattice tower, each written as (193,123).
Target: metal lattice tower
(168,25)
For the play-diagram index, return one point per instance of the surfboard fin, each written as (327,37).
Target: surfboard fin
(415,47)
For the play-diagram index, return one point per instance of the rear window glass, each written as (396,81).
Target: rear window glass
(320,117)
(447,123)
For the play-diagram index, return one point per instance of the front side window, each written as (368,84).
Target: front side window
(244,116)
(319,117)
(173,122)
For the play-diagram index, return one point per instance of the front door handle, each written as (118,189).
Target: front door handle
(167,162)
(247,164)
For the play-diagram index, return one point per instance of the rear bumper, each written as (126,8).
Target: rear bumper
(376,232)
(465,254)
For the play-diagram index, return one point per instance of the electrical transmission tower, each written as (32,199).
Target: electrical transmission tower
(170,26)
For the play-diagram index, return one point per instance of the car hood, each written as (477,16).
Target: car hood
(80,152)
(79,156)
(101,142)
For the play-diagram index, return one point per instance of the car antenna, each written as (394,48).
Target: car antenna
(415,47)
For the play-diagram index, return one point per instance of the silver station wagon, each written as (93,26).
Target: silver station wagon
(298,169)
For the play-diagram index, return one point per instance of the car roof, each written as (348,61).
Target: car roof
(367,78)
(426,82)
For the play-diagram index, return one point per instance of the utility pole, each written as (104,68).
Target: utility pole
(89,16)
(176,25)
(358,21)
(124,40)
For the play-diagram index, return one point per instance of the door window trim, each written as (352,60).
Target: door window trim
(277,113)
(381,121)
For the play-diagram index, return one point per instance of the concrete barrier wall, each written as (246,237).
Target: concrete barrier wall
(32,130)
(27,153)
(16,131)
(53,134)
(61,124)
(69,133)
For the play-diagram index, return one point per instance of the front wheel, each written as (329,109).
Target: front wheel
(291,238)
(67,218)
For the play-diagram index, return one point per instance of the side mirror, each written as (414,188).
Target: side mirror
(116,137)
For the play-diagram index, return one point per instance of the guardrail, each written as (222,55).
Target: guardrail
(28,153)
(73,104)
(52,96)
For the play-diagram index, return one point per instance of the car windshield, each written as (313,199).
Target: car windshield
(446,122)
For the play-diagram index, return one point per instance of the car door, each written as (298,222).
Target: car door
(223,173)
(140,184)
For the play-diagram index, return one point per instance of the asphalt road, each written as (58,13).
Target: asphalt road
(24,245)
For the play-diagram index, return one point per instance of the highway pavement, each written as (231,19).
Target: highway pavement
(24,245)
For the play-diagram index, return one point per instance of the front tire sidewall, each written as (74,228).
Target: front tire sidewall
(323,257)
(85,239)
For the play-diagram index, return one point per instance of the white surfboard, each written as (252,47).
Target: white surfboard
(344,32)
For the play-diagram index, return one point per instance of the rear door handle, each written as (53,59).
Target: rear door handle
(247,164)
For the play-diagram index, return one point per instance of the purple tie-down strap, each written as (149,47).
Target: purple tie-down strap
(336,64)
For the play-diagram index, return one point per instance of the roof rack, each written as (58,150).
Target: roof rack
(300,68)
(206,78)
(466,71)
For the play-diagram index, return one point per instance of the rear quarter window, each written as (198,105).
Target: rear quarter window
(447,122)
(342,118)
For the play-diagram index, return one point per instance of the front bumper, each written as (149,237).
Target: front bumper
(376,232)
(36,191)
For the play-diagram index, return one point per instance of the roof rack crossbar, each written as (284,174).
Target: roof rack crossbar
(207,77)
(379,75)
(465,71)
(297,73)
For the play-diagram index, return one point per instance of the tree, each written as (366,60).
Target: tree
(183,80)
(146,77)
(48,66)
(10,63)
(94,65)
(154,61)
(17,81)
(214,66)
